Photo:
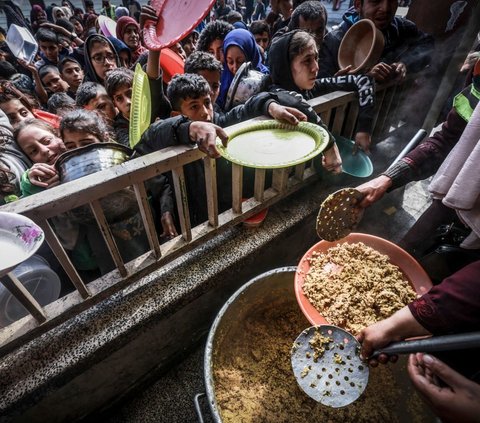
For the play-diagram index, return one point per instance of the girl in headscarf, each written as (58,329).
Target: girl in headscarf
(293,61)
(239,46)
(128,31)
(37,17)
(100,57)
(58,13)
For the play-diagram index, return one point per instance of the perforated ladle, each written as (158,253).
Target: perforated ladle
(327,365)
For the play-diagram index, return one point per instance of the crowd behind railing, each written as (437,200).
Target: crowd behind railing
(76,95)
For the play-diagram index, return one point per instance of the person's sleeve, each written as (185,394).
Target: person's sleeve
(161,107)
(27,187)
(363,85)
(453,305)
(122,135)
(255,106)
(161,192)
(423,161)
(163,134)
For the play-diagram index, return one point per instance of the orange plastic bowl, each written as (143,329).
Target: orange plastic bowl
(171,64)
(413,272)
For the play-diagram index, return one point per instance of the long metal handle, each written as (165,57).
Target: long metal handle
(198,409)
(419,136)
(461,341)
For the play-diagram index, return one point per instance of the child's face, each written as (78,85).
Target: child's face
(54,83)
(75,139)
(60,14)
(103,59)
(50,50)
(213,79)
(102,104)
(177,48)
(73,74)
(189,45)
(40,145)
(198,109)
(216,49)
(122,99)
(262,39)
(16,112)
(234,58)
(131,37)
(304,67)
(78,27)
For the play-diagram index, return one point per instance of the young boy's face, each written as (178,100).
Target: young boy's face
(73,74)
(122,99)
(16,112)
(213,79)
(102,104)
(50,50)
(262,39)
(198,109)
(76,139)
(54,83)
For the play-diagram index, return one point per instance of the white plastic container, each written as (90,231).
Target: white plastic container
(21,42)
(37,277)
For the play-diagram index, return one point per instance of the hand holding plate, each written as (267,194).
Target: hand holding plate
(205,135)
(286,114)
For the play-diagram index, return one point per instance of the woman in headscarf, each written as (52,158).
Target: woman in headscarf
(128,31)
(239,46)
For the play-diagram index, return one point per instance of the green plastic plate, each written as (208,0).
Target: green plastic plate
(140,109)
(359,164)
(271,144)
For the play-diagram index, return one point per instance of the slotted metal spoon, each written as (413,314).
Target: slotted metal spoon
(327,365)
(339,213)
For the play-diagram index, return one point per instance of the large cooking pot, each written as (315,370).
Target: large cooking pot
(273,289)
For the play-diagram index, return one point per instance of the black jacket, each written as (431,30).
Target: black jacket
(404,42)
(175,131)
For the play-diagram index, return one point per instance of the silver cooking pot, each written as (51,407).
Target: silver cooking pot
(265,288)
(257,295)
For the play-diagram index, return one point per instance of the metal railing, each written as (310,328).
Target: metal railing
(339,110)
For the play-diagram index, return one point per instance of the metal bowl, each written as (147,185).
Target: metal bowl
(246,83)
(90,159)
(93,158)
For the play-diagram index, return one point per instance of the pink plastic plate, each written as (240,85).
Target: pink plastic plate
(414,273)
(176,19)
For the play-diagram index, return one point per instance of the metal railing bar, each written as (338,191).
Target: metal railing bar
(147,218)
(108,236)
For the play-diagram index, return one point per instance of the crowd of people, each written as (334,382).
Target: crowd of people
(78,91)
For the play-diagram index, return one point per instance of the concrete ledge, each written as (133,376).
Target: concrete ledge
(93,358)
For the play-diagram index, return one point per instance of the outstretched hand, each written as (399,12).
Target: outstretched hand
(374,190)
(205,134)
(454,400)
(286,114)
(362,142)
(332,161)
